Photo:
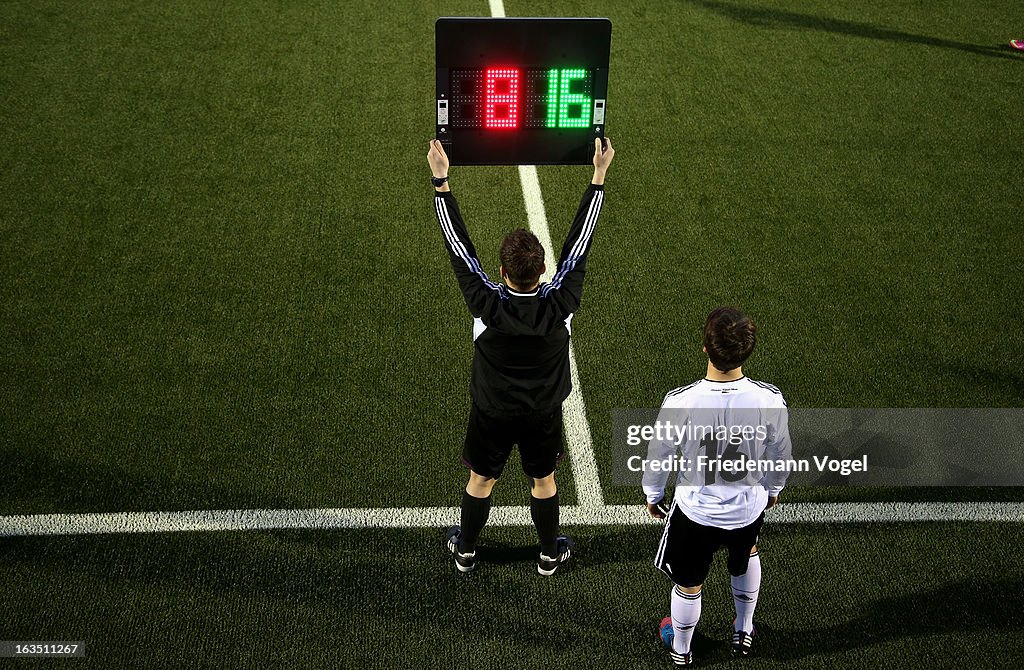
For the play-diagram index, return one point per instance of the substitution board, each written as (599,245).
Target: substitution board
(521,91)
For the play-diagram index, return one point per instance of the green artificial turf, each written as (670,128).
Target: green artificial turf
(842,172)
(918,595)
(222,284)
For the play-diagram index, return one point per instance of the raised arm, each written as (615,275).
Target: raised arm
(478,290)
(566,287)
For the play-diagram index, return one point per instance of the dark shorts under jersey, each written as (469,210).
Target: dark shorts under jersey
(489,442)
(688,547)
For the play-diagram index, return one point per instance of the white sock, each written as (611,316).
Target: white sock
(685,615)
(744,594)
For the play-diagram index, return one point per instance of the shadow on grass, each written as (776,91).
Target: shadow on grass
(958,607)
(999,385)
(962,607)
(359,579)
(42,481)
(765,17)
(505,554)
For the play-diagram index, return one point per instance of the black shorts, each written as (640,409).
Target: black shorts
(489,442)
(687,548)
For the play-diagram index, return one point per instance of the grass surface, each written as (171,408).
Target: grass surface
(878,596)
(222,286)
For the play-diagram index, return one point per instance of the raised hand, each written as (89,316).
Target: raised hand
(437,159)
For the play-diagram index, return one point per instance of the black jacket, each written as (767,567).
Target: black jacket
(521,340)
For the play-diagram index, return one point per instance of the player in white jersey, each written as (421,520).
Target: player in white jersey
(719,424)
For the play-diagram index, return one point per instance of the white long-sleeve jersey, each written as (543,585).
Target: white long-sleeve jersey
(701,414)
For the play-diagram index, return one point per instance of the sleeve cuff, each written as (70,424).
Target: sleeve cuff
(653,495)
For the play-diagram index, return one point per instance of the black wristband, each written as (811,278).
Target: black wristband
(438,181)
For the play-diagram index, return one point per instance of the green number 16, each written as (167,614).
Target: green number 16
(565,109)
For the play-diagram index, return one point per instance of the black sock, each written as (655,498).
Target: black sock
(545,517)
(474,515)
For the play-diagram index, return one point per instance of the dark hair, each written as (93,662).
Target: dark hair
(729,337)
(522,256)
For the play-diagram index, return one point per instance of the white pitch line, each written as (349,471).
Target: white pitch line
(574,410)
(442,517)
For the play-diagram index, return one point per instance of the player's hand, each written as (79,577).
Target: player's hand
(658,510)
(603,155)
(437,159)
(772,501)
